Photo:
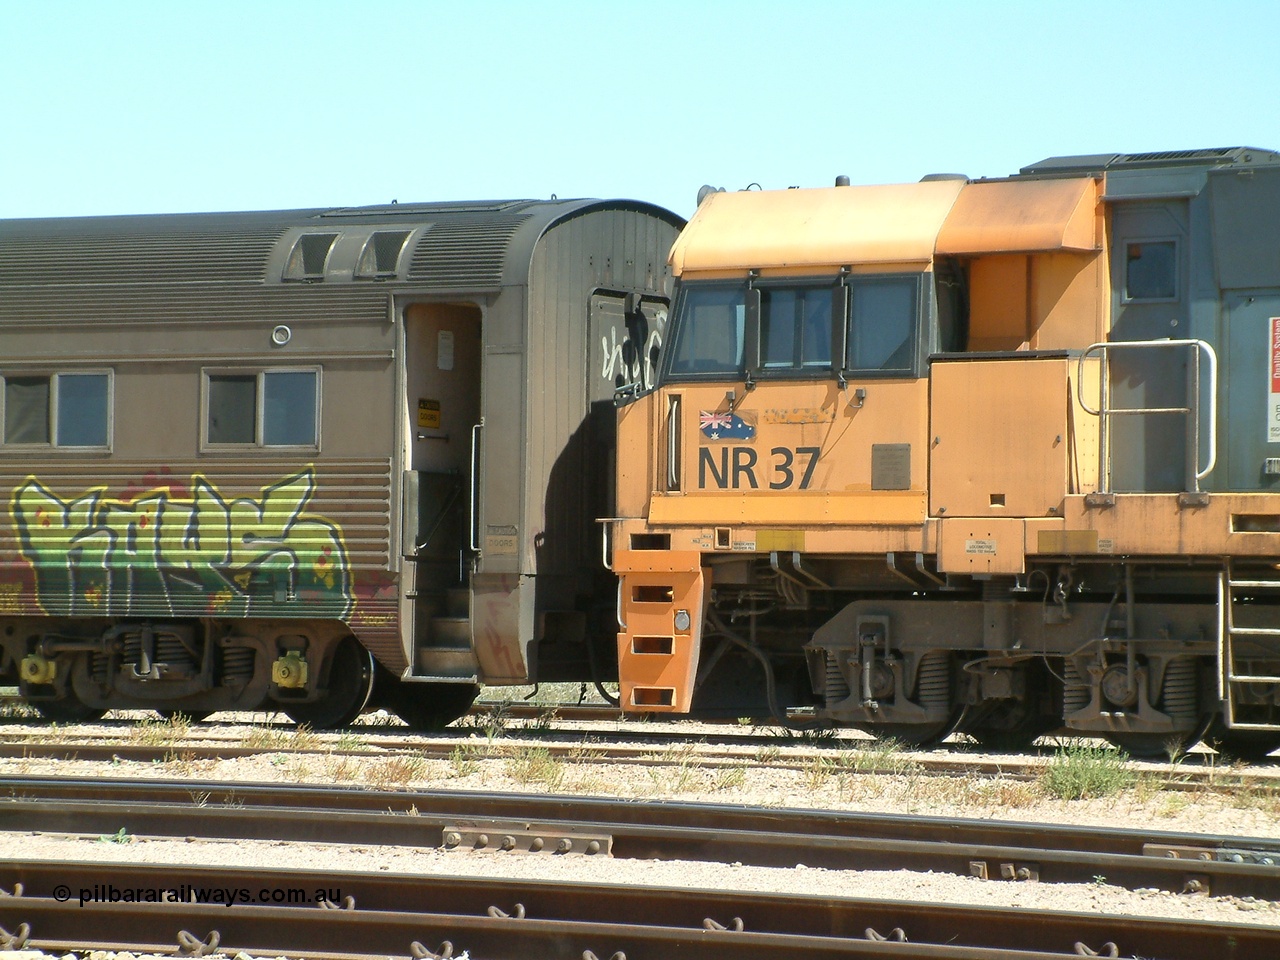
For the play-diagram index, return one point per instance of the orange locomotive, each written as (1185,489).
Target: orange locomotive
(995,455)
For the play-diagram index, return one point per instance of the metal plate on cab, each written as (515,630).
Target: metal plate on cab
(891,466)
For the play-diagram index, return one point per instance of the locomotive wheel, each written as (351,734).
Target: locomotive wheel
(67,710)
(431,706)
(1251,746)
(350,684)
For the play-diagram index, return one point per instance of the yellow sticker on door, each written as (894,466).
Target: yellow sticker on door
(428,414)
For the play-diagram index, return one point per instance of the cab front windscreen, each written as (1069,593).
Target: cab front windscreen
(794,328)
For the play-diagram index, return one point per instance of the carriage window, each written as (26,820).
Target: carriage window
(1151,271)
(268,408)
(59,409)
(882,325)
(795,328)
(711,327)
(26,409)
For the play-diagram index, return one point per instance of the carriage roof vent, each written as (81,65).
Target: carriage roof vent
(381,255)
(308,258)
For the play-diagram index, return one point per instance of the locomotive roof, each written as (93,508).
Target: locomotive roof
(1097,162)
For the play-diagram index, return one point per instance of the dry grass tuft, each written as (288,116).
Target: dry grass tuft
(154,732)
(397,771)
(528,765)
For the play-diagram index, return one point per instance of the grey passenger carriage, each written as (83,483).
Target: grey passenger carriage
(269,457)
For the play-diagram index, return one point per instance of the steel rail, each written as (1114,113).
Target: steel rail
(1180,863)
(33,746)
(446,804)
(558,919)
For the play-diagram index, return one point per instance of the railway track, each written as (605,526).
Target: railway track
(707,751)
(496,823)
(60,905)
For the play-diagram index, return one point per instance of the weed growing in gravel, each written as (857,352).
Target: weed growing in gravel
(543,722)
(185,764)
(281,738)
(686,777)
(769,754)
(397,771)
(153,732)
(1172,804)
(729,778)
(535,765)
(462,761)
(349,741)
(817,772)
(340,769)
(879,756)
(998,793)
(590,781)
(297,769)
(493,723)
(1086,771)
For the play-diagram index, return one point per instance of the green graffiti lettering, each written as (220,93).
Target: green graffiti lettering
(156,555)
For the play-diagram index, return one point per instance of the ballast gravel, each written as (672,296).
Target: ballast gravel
(515,765)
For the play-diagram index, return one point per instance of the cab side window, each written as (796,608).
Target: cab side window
(882,322)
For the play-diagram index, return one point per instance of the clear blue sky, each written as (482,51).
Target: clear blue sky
(141,107)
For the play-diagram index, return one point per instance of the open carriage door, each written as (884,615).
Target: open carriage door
(442,380)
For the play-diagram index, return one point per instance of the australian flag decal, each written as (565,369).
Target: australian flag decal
(725,426)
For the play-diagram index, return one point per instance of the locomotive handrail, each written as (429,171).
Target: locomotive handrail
(673,442)
(1192,412)
(473,531)
(606,554)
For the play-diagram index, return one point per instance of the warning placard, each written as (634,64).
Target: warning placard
(1273,384)
(428,414)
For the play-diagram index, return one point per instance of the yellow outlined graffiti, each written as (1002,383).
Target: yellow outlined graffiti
(160,555)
